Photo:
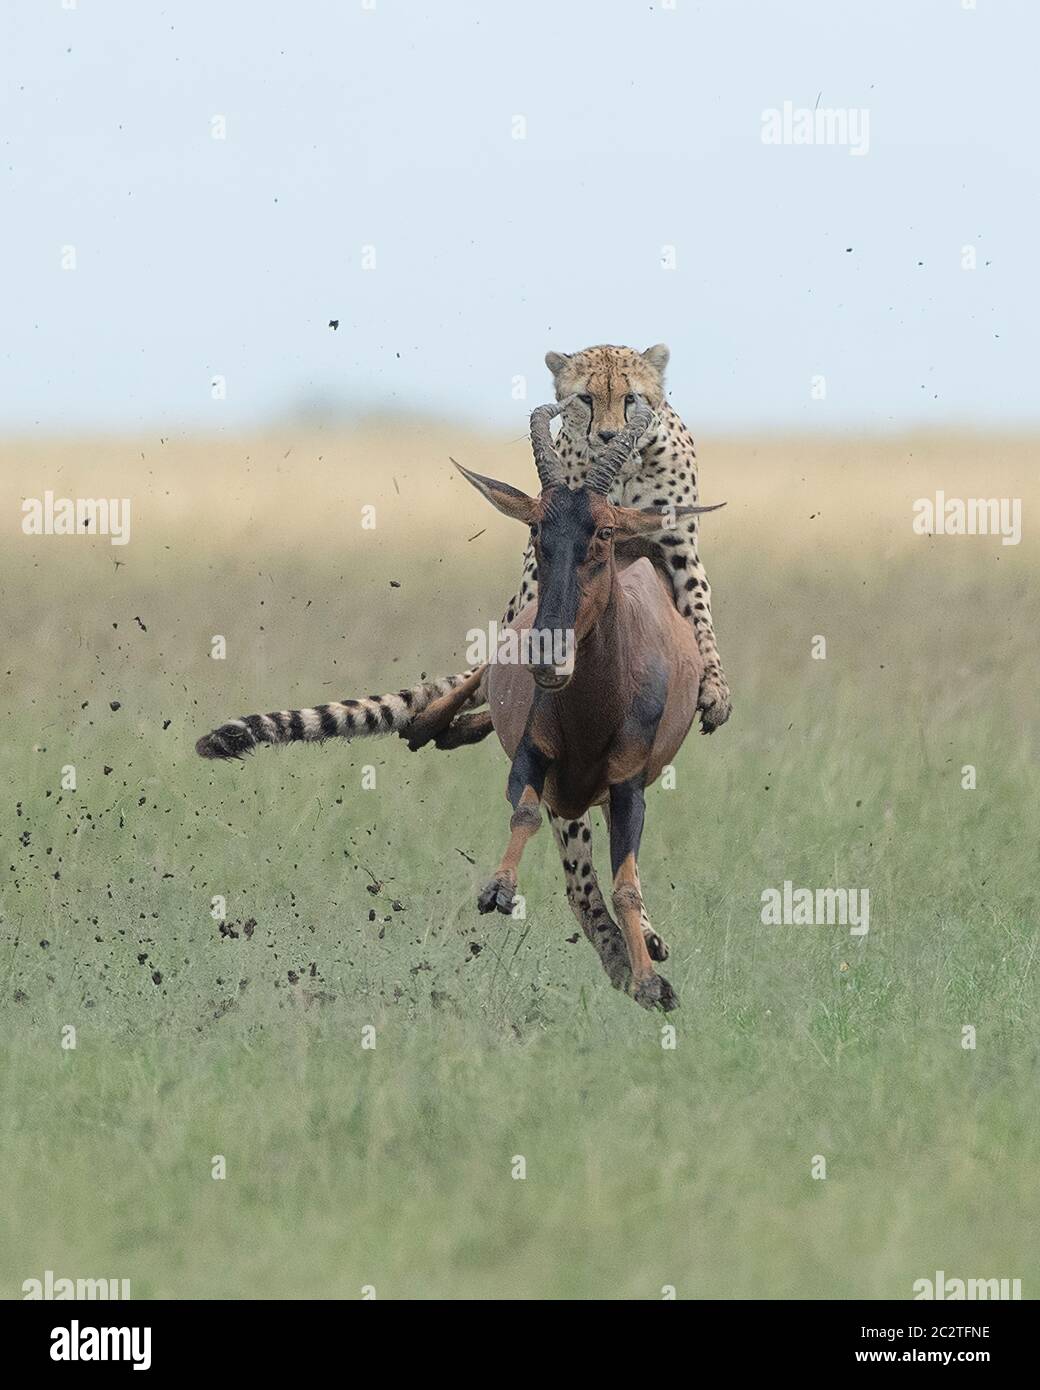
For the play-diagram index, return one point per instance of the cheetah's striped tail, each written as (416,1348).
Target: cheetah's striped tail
(378,714)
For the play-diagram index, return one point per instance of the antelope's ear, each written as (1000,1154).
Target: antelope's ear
(657,356)
(556,361)
(632,521)
(510,501)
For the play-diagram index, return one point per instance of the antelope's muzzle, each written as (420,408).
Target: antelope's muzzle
(549,655)
(551,677)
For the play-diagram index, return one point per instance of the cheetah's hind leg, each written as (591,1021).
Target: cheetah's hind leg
(574,841)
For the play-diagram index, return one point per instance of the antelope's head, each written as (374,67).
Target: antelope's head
(574,534)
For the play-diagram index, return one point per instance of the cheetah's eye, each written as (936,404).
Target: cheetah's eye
(585,400)
(630,399)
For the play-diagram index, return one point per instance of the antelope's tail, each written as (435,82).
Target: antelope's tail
(378,714)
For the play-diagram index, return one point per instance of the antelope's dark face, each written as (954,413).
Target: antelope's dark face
(601,385)
(573,536)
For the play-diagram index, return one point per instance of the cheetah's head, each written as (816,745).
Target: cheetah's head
(604,382)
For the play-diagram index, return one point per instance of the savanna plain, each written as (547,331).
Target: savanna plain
(350,873)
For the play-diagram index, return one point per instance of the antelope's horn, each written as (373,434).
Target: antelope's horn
(601,476)
(546,459)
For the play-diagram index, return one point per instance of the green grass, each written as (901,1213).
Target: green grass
(645,1167)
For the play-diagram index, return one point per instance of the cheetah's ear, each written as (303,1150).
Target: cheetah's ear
(658,356)
(556,361)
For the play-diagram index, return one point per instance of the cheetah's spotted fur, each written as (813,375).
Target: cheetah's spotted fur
(662,474)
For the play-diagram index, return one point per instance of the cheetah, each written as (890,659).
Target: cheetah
(599,383)
(602,382)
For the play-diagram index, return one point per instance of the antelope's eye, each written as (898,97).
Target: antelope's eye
(534,531)
(585,400)
(605,533)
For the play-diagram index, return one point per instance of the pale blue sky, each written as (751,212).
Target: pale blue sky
(392,127)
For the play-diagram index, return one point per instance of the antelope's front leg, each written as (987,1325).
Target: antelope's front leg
(627,809)
(656,947)
(526,779)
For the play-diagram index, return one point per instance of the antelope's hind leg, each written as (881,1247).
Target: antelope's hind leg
(436,718)
(627,809)
(574,841)
(464,730)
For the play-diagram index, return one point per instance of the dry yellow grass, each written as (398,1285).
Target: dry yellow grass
(282,491)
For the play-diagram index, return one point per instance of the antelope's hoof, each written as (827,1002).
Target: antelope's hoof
(656,948)
(466,729)
(497,895)
(656,993)
(418,734)
(714,704)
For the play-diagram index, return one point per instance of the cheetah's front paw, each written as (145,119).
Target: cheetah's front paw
(713,703)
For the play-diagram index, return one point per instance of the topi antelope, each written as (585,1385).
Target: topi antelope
(599,730)
(626,711)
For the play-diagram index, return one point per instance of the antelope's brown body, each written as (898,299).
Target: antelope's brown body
(601,728)
(605,705)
